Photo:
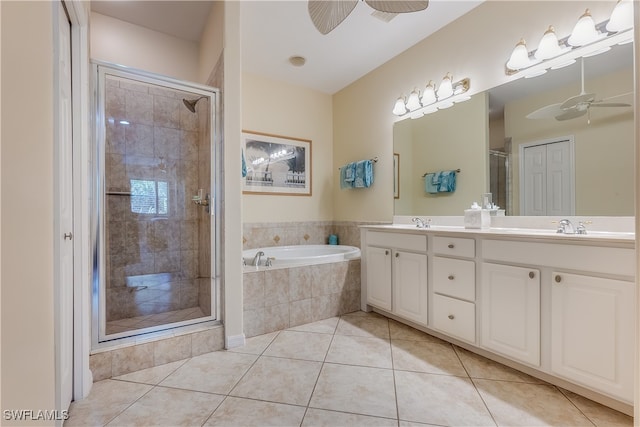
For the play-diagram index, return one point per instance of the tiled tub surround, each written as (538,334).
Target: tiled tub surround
(281,298)
(154,260)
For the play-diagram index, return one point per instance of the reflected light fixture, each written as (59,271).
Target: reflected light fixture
(432,99)
(621,17)
(586,39)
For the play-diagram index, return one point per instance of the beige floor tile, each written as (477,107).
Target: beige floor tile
(521,404)
(169,407)
(279,380)
(426,356)
(363,351)
(355,389)
(256,345)
(440,399)
(480,367)
(152,375)
(324,418)
(363,326)
(216,372)
(599,414)
(300,345)
(107,399)
(235,411)
(400,331)
(326,326)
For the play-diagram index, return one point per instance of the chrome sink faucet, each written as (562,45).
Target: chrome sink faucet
(565,227)
(421,223)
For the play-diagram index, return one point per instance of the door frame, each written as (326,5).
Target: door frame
(572,165)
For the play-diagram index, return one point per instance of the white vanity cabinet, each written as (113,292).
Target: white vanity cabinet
(592,332)
(454,287)
(511,311)
(396,274)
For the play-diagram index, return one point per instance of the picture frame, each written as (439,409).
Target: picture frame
(276,164)
(396,175)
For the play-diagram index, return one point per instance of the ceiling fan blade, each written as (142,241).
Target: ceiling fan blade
(548,112)
(578,99)
(571,114)
(398,6)
(328,14)
(609,104)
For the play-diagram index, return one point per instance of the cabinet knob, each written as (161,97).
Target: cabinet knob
(558,278)
(397,254)
(451,316)
(386,252)
(451,277)
(532,275)
(451,246)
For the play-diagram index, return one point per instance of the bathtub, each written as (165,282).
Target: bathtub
(298,255)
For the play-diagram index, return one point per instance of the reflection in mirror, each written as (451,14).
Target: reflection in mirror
(491,139)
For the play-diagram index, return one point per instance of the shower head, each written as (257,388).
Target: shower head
(191,103)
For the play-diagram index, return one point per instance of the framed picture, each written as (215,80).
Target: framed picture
(396,175)
(276,164)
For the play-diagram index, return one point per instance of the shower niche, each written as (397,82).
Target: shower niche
(156,236)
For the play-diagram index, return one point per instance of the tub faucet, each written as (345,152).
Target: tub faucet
(421,223)
(256,258)
(565,227)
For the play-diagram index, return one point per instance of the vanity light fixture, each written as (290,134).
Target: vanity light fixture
(586,39)
(432,99)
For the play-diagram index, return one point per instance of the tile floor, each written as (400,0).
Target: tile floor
(139,322)
(357,370)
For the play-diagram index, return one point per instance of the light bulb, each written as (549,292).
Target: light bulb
(519,58)
(413,103)
(429,95)
(585,31)
(621,17)
(548,47)
(446,89)
(399,109)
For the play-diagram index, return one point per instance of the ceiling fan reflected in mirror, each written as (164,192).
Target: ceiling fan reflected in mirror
(328,14)
(576,106)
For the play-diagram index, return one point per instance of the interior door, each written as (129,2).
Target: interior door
(547,179)
(64,226)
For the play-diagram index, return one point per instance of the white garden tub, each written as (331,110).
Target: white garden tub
(298,255)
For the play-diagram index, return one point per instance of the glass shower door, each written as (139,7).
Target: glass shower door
(155,219)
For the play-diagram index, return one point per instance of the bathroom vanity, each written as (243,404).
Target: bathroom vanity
(557,306)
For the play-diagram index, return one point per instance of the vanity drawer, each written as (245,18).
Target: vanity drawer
(455,278)
(454,317)
(454,246)
(408,242)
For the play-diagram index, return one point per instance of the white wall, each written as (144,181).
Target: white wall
(27,206)
(211,42)
(476,45)
(120,42)
(279,108)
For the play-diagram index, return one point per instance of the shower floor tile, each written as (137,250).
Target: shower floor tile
(151,320)
(318,374)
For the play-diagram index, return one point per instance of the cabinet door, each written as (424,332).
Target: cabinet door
(592,332)
(379,277)
(511,312)
(410,286)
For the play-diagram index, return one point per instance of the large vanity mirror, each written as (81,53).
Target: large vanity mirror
(577,164)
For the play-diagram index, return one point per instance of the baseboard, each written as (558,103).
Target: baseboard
(233,341)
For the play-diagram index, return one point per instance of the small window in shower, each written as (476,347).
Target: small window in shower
(149,197)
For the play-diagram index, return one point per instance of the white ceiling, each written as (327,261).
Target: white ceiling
(272,31)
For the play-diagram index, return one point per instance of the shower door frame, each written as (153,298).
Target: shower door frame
(99,338)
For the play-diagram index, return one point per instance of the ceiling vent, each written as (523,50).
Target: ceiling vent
(383,16)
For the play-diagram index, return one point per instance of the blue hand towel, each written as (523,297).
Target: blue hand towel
(347,176)
(447,181)
(431,182)
(364,174)
(244,165)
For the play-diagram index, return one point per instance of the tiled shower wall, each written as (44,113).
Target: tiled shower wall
(152,259)
(260,235)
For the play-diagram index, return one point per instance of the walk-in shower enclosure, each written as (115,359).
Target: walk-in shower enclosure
(155,217)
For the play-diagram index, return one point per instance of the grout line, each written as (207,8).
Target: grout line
(214,411)
(131,404)
(576,406)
